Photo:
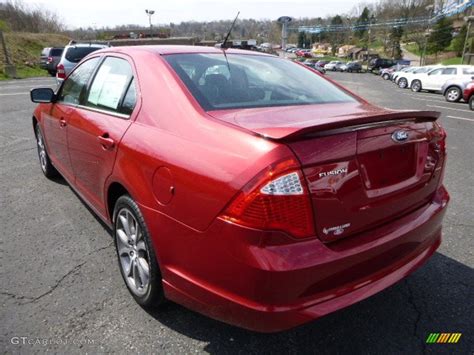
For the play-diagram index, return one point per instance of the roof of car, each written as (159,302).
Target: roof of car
(176,49)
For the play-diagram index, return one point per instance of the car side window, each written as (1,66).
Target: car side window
(449,71)
(112,81)
(76,83)
(436,72)
(130,99)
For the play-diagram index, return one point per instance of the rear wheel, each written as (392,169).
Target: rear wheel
(453,94)
(386,76)
(402,83)
(48,169)
(471,103)
(136,256)
(416,86)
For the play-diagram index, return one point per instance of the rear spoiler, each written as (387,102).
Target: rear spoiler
(349,124)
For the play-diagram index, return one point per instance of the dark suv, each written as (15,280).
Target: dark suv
(49,59)
(380,63)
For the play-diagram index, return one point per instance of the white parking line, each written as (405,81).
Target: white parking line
(440,101)
(449,108)
(28,87)
(15,93)
(462,118)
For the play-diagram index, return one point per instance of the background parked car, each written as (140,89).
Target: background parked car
(73,54)
(434,79)
(396,74)
(351,67)
(49,59)
(312,64)
(468,95)
(333,65)
(405,79)
(305,53)
(380,63)
(453,88)
(322,63)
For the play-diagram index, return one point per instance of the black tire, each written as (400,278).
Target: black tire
(402,83)
(386,76)
(471,103)
(453,94)
(154,295)
(416,86)
(45,162)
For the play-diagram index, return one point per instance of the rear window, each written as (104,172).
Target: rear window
(56,52)
(75,54)
(468,71)
(243,81)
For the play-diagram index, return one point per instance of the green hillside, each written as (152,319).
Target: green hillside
(25,49)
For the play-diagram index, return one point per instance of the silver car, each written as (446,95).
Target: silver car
(72,55)
(453,88)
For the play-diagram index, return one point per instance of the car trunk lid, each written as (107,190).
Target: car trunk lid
(363,169)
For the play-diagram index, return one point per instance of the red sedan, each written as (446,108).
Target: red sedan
(468,95)
(242,185)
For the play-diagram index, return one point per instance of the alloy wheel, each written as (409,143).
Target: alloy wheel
(133,252)
(402,83)
(41,149)
(453,95)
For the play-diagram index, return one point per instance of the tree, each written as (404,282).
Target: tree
(301,39)
(361,23)
(457,44)
(395,37)
(336,36)
(441,36)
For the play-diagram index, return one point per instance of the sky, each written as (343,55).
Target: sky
(98,13)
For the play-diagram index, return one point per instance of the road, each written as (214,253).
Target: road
(61,287)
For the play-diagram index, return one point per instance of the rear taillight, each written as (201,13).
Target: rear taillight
(60,72)
(277,199)
(50,59)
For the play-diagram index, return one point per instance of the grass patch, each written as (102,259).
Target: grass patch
(452,61)
(25,50)
(413,48)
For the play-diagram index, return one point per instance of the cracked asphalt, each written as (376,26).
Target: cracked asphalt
(61,289)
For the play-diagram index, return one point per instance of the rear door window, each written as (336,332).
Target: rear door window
(468,71)
(113,86)
(449,71)
(56,52)
(75,54)
(74,86)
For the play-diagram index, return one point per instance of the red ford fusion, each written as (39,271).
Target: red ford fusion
(244,186)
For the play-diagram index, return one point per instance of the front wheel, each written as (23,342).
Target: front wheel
(136,256)
(416,86)
(453,94)
(402,83)
(46,166)
(471,103)
(386,76)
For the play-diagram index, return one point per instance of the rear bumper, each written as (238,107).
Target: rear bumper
(232,274)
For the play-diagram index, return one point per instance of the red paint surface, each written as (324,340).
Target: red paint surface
(390,196)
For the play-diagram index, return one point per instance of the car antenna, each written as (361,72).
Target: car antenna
(224,44)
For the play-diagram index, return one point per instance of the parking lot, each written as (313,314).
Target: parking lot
(62,289)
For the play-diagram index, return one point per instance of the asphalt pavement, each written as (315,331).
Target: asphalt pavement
(61,289)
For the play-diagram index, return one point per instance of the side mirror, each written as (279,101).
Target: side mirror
(42,95)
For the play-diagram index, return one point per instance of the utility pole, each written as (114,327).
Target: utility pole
(10,69)
(150,13)
(430,8)
(469,20)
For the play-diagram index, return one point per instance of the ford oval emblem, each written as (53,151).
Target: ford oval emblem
(399,136)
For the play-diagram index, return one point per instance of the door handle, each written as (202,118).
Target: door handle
(62,122)
(106,141)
